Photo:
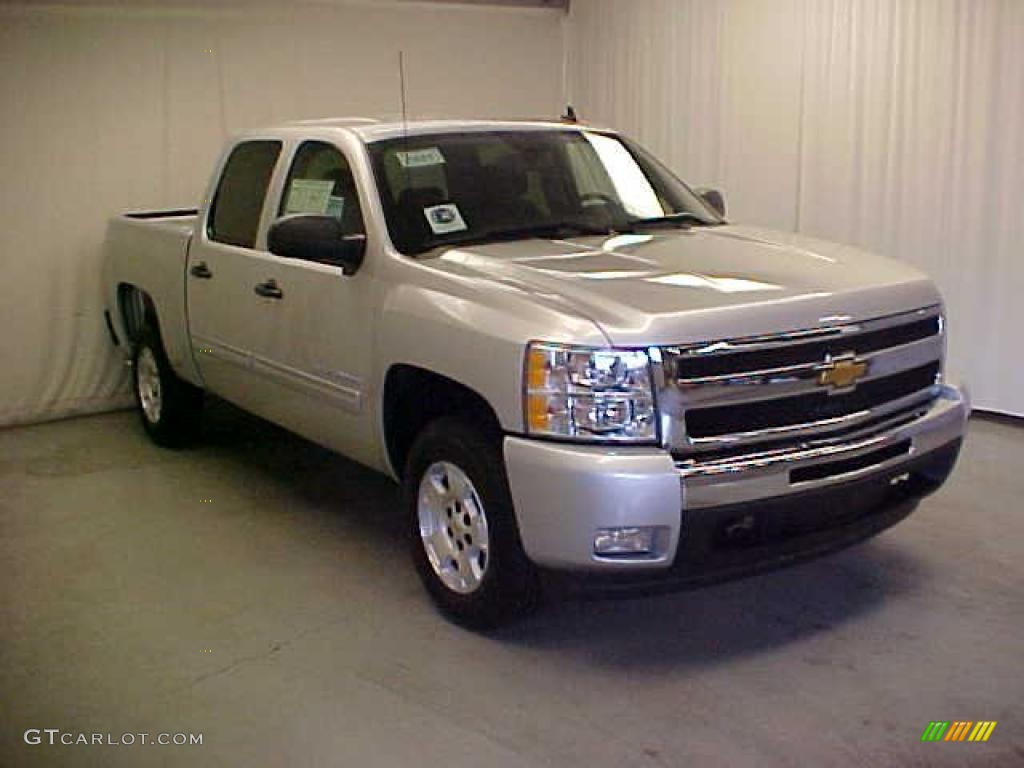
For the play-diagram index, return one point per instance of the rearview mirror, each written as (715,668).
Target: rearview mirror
(713,198)
(316,238)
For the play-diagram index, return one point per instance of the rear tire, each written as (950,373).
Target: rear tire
(464,539)
(169,407)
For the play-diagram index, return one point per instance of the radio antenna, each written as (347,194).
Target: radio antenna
(401,85)
(405,117)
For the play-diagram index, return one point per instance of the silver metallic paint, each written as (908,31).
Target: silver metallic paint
(468,314)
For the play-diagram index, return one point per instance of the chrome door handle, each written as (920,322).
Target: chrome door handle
(200,270)
(269,289)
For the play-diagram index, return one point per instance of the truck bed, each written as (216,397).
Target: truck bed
(176,213)
(149,250)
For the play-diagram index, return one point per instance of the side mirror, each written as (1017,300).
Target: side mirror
(316,238)
(713,199)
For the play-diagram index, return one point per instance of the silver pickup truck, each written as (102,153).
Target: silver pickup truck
(570,360)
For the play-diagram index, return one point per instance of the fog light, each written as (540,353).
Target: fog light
(612,542)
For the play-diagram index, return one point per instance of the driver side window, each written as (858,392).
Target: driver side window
(320,182)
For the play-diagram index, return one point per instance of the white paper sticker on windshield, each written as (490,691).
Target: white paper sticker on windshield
(308,196)
(444,218)
(417,158)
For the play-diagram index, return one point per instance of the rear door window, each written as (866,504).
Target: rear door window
(238,202)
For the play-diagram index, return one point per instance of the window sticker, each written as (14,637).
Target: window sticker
(444,218)
(308,196)
(417,158)
(335,206)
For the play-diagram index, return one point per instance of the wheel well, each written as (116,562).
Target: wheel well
(414,397)
(137,311)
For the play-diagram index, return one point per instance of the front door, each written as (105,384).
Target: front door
(317,338)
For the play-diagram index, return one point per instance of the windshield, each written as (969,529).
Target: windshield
(458,188)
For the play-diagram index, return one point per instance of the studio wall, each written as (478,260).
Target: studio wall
(896,125)
(893,124)
(114,107)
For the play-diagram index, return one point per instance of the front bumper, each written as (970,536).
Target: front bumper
(733,514)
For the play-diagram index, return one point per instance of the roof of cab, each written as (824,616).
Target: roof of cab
(370,130)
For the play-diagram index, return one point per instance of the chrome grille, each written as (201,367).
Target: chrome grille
(769,391)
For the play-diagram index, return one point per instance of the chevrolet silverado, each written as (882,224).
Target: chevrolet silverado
(571,361)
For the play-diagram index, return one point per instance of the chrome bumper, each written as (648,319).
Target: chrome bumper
(564,493)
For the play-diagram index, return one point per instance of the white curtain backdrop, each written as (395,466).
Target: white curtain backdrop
(897,125)
(113,107)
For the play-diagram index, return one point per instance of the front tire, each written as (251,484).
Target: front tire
(170,409)
(465,543)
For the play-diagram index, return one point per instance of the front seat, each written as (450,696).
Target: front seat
(344,187)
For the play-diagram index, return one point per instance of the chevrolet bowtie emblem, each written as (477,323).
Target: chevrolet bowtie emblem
(841,372)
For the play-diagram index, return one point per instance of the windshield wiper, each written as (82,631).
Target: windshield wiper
(557,229)
(548,229)
(687,218)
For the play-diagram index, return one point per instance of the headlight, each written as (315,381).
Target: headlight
(599,395)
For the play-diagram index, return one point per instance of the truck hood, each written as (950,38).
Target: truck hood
(692,285)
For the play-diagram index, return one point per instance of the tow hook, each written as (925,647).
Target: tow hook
(740,528)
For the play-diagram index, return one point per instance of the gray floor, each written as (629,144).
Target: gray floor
(255,590)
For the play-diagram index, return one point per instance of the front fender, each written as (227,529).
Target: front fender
(477,341)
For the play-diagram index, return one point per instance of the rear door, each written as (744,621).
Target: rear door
(223,268)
